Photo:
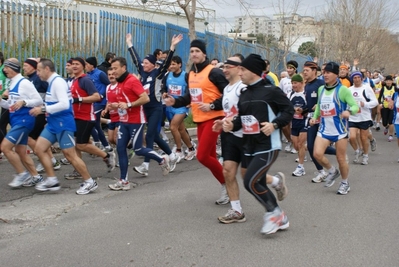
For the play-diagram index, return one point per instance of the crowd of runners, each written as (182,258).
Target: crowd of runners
(316,111)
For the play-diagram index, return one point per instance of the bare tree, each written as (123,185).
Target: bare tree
(358,29)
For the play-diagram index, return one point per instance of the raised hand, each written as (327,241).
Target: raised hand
(175,40)
(129,39)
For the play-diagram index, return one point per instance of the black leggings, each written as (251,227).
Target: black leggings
(386,116)
(255,178)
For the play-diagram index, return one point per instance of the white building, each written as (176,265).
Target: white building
(291,30)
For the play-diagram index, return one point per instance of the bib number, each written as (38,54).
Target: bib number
(328,110)
(122,115)
(250,125)
(196,95)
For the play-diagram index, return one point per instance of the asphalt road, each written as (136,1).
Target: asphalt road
(172,221)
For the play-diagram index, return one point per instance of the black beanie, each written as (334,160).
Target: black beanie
(255,64)
(80,60)
(292,63)
(32,62)
(92,61)
(199,44)
(332,67)
(151,58)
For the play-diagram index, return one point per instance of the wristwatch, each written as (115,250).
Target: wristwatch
(43,109)
(275,126)
(212,106)
(24,103)
(129,105)
(80,99)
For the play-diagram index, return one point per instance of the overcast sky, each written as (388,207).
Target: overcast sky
(227,10)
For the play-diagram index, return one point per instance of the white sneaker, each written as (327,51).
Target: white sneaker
(46,186)
(288,147)
(365,160)
(191,155)
(19,179)
(274,221)
(173,161)
(224,197)
(165,165)
(179,156)
(357,155)
(299,171)
(321,177)
(293,151)
(39,167)
(142,169)
(120,185)
(86,188)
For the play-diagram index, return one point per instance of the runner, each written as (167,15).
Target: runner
(84,94)
(331,108)
(60,128)
(206,85)
(131,98)
(23,96)
(175,85)
(151,78)
(263,109)
(361,121)
(298,128)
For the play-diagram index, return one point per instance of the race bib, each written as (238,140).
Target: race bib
(250,125)
(232,112)
(122,115)
(147,88)
(175,90)
(327,109)
(11,101)
(298,116)
(196,95)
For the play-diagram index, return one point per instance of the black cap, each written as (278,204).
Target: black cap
(254,63)
(92,61)
(199,44)
(332,67)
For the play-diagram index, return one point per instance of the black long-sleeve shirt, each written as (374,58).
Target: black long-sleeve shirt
(266,103)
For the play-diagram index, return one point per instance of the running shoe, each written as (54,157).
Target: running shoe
(224,197)
(274,221)
(46,185)
(365,160)
(64,161)
(86,188)
(110,161)
(330,179)
(293,151)
(343,189)
(190,155)
(33,181)
(120,185)
(385,131)
(288,147)
(232,216)
(19,179)
(281,188)
(357,155)
(320,177)
(179,156)
(73,175)
(373,145)
(390,138)
(299,171)
(142,169)
(57,165)
(173,161)
(165,165)
(39,167)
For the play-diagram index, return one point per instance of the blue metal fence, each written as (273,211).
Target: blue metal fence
(58,34)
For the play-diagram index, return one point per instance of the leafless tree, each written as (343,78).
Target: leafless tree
(358,29)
